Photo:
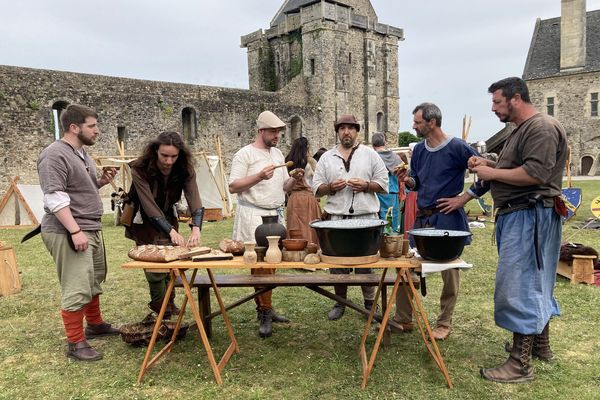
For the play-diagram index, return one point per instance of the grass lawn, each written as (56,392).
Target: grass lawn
(309,358)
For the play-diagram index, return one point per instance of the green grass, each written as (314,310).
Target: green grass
(308,359)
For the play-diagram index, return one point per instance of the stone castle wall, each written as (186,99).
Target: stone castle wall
(572,108)
(143,108)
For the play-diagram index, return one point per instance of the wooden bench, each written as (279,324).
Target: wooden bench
(312,281)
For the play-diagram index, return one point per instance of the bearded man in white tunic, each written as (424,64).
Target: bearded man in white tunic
(260,189)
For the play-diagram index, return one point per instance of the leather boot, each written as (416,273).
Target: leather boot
(516,368)
(156,305)
(82,351)
(276,318)
(171,307)
(369,305)
(541,345)
(336,312)
(265,328)
(99,330)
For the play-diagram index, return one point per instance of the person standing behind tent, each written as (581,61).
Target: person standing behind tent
(261,189)
(390,199)
(159,176)
(302,206)
(71,228)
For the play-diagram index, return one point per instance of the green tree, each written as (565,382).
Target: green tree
(404,138)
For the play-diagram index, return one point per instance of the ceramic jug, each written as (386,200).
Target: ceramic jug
(269,227)
(250,257)
(273,255)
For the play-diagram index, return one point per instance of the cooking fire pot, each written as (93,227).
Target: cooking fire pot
(440,244)
(349,237)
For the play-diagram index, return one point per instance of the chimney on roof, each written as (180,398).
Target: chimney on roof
(572,35)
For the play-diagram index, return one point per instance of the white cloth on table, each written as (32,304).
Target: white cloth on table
(430,267)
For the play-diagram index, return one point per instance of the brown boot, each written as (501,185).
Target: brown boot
(171,307)
(156,305)
(541,345)
(99,330)
(82,351)
(516,368)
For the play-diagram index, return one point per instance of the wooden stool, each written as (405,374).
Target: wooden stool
(10,280)
(583,269)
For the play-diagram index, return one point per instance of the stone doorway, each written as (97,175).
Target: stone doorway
(586,165)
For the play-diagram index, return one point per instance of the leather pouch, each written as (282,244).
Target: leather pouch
(127,214)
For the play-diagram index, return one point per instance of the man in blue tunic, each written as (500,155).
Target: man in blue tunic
(526,184)
(437,173)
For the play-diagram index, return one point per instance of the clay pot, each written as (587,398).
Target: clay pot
(391,246)
(269,227)
(260,253)
(250,256)
(273,255)
(294,244)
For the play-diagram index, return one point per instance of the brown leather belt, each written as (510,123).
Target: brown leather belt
(427,212)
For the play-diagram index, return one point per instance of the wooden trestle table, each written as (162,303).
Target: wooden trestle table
(402,266)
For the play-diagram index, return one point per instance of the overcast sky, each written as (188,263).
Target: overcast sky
(453,49)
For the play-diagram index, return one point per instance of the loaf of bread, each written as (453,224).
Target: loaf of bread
(158,254)
(234,247)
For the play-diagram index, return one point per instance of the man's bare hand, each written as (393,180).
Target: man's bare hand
(358,185)
(267,172)
(484,173)
(448,204)
(479,161)
(81,241)
(338,184)
(401,171)
(108,174)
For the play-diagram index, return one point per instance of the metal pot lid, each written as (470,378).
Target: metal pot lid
(348,224)
(428,232)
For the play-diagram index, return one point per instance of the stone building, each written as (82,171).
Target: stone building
(318,59)
(563,75)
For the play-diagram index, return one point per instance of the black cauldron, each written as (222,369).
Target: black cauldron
(349,237)
(439,244)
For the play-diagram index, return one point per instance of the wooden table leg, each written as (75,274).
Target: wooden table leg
(217,368)
(147,363)
(367,366)
(423,324)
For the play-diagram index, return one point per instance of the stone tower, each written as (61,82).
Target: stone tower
(572,35)
(335,57)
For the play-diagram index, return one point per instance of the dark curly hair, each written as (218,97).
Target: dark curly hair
(298,153)
(183,167)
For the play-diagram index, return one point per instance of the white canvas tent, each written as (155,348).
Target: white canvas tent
(212,183)
(22,205)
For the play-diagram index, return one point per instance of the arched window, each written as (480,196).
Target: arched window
(586,164)
(57,109)
(295,128)
(380,122)
(190,125)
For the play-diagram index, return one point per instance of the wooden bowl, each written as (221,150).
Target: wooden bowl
(294,244)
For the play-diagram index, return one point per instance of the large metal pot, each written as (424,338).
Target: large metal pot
(439,244)
(349,237)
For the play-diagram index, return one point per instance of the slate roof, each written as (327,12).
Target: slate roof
(543,60)
(291,6)
(496,142)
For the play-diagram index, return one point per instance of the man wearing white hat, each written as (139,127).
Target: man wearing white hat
(260,189)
